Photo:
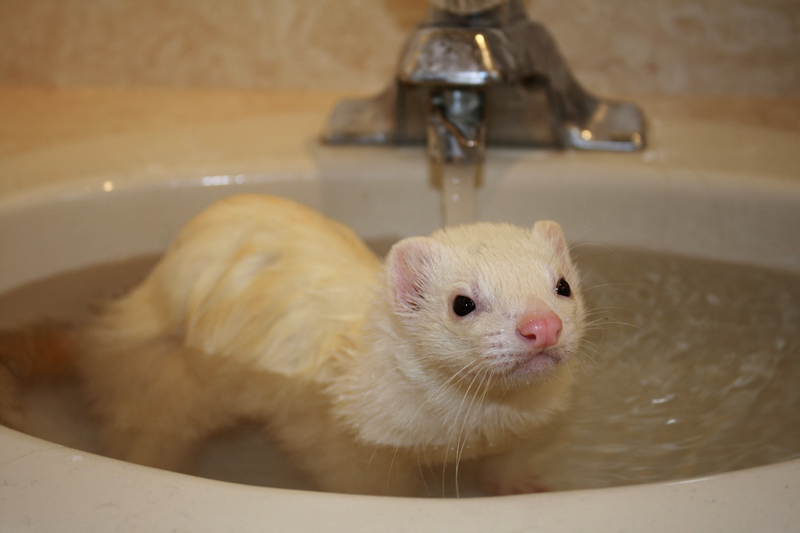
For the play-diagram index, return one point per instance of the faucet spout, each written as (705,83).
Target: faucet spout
(456,129)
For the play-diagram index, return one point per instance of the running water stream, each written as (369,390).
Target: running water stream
(459,193)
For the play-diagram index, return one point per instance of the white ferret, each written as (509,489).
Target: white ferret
(264,309)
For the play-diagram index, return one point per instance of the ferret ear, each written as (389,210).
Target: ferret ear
(553,234)
(410,266)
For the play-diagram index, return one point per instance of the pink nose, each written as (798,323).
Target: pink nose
(540,330)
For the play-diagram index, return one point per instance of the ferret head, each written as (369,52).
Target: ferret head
(487,303)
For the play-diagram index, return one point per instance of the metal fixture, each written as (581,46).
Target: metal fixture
(479,72)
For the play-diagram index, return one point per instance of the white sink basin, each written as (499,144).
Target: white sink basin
(701,189)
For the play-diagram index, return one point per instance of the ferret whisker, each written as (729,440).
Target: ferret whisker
(599,320)
(598,323)
(605,314)
(576,245)
(455,377)
(427,467)
(481,378)
(464,431)
(616,284)
(430,401)
(604,309)
(460,408)
(587,345)
(596,245)
(598,316)
(484,390)
(376,382)
(571,374)
(612,322)
(555,260)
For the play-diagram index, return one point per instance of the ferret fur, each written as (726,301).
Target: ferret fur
(41,353)
(265,310)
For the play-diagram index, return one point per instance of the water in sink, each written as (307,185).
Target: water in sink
(692,369)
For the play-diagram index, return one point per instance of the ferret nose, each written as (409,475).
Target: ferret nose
(540,330)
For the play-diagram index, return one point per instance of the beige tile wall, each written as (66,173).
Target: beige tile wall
(614,46)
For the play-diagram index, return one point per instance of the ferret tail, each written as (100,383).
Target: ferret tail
(39,353)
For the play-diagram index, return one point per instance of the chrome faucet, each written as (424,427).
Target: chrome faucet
(477,73)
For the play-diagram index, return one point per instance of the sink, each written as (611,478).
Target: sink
(703,189)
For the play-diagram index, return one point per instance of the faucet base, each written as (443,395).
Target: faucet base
(515,117)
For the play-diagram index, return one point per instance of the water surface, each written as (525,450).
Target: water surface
(692,368)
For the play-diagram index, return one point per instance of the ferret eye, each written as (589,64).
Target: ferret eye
(562,288)
(463,305)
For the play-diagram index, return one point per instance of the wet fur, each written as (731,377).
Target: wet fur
(264,310)
(41,353)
